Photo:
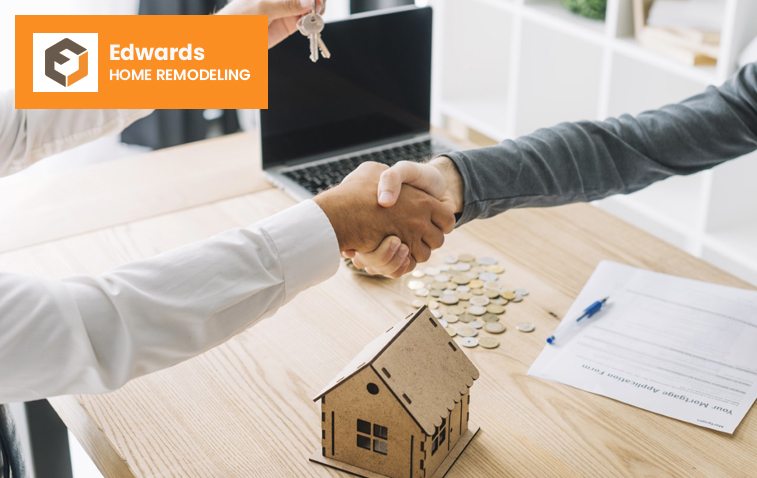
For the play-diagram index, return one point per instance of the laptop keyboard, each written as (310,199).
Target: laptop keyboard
(322,176)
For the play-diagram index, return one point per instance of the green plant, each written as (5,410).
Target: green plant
(587,8)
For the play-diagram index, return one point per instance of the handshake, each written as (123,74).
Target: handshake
(390,219)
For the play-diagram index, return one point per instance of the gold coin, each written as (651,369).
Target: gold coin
(489,317)
(478,269)
(415,285)
(450,318)
(488,342)
(465,318)
(475,284)
(450,285)
(455,310)
(460,279)
(466,258)
(464,295)
(491,293)
(494,328)
(467,332)
(432,304)
(437,286)
(418,303)
(509,295)
(477,291)
(451,331)
(495,309)
(495,269)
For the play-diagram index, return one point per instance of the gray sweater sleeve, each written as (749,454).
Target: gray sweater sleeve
(589,160)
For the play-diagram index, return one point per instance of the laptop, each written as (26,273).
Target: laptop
(371,101)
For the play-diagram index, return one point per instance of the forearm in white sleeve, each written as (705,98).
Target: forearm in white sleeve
(26,136)
(93,334)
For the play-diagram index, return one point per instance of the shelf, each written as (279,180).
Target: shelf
(552,14)
(705,75)
(735,250)
(558,80)
(647,218)
(637,86)
(485,115)
(504,5)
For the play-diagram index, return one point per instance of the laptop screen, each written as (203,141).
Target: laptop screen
(375,86)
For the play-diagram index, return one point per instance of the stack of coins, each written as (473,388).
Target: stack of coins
(465,295)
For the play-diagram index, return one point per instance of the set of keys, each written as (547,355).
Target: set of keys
(311,25)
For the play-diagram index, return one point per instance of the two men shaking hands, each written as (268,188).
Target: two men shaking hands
(389,219)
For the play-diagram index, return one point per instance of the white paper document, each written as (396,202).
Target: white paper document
(681,348)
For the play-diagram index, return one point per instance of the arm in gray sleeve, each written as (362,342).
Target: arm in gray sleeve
(590,160)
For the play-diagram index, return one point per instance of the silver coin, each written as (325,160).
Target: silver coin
(435,293)
(432,271)
(417,274)
(469,342)
(437,313)
(449,299)
(489,317)
(422,292)
(517,299)
(444,278)
(450,318)
(525,327)
(462,267)
(462,288)
(415,284)
(450,259)
(444,323)
(479,300)
(487,261)
(418,303)
(499,301)
(521,292)
(476,310)
(488,277)
(471,275)
(475,324)
(444,268)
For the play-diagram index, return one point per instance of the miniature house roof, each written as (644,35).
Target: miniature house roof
(418,361)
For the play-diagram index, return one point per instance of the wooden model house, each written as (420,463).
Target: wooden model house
(400,408)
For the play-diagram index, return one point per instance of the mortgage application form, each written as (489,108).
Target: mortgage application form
(678,347)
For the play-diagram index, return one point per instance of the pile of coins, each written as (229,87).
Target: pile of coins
(466,297)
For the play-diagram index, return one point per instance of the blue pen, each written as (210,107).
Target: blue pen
(588,313)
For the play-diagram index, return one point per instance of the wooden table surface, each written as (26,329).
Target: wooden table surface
(244,409)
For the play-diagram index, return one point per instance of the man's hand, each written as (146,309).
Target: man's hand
(282,14)
(361,225)
(439,178)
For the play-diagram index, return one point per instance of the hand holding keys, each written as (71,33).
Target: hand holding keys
(311,25)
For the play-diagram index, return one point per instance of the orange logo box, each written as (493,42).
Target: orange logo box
(130,61)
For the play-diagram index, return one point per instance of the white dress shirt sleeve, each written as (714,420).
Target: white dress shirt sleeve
(27,136)
(93,334)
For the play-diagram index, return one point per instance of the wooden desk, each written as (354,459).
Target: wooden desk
(244,408)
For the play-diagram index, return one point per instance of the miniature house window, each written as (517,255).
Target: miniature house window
(379,434)
(372,388)
(440,434)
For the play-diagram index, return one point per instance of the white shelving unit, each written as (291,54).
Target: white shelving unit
(507,67)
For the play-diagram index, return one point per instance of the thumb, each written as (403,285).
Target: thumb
(421,176)
(284,8)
